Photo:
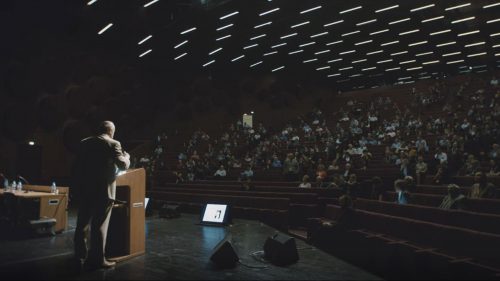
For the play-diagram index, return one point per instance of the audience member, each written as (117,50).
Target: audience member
(305,182)
(481,187)
(454,200)
(420,170)
(221,172)
(402,195)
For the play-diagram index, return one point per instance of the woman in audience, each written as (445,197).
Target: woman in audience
(454,200)
(481,187)
(305,182)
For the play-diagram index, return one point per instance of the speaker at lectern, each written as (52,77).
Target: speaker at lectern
(126,233)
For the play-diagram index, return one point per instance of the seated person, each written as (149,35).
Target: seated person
(321,174)
(247,184)
(352,186)
(305,182)
(410,185)
(347,171)
(178,176)
(365,157)
(494,169)
(454,200)
(471,165)
(247,173)
(276,162)
(402,195)
(334,167)
(337,181)
(420,170)
(221,172)
(442,175)
(481,187)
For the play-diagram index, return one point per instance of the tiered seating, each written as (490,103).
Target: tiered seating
(416,240)
(273,210)
(465,219)
(383,242)
(490,206)
(303,203)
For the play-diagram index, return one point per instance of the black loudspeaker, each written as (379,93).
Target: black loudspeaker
(281,250)
(224,255)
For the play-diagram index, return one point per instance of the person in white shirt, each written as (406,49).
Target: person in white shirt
(221,172)
(441,156)
(305,182)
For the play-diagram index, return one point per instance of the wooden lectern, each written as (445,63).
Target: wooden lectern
(126,234)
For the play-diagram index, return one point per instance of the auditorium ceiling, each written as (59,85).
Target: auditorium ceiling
(350,44)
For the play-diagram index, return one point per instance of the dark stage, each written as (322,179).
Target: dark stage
(175,249)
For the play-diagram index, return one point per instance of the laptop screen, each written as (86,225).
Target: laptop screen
(214,213)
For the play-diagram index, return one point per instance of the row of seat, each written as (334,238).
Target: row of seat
(489,206)
(272,210)
(418,247)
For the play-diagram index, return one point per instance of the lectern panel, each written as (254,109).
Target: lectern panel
(126,236)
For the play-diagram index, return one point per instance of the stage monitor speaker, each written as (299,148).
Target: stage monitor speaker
(281,250)
(224,255)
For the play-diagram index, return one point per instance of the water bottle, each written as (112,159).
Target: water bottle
(53,188)
(19,186)
(6,185)
(13,186)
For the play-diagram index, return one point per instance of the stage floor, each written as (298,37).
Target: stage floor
(175,249)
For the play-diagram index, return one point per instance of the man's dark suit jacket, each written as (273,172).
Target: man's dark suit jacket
(98,161)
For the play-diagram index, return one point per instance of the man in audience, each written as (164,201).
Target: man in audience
(291,167)
(402,195)
(454,200)
(441,156)
(471,165)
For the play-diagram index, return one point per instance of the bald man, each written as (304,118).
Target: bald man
(97,163)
